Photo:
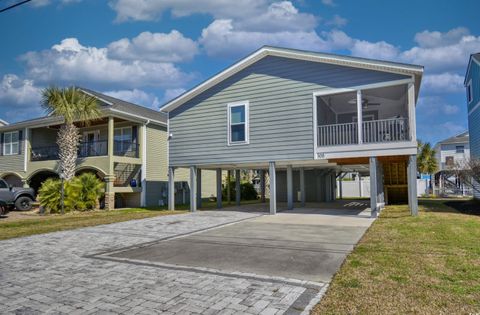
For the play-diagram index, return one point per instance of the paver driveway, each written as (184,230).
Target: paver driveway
(92,270)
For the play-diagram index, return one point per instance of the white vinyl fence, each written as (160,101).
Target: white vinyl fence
(357,189)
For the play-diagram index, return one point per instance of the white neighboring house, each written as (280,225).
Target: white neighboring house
(3,123)
(451,153)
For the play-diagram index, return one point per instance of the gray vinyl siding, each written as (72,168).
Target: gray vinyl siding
(279,91)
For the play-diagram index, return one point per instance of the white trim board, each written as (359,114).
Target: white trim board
(356,62)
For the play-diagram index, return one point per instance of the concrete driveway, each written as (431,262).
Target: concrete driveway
(308,244)
(209,262)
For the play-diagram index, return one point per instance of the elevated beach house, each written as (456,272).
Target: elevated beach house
(127,148)
(472,87)
(303,117)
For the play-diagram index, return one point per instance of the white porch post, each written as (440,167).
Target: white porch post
(171,188)
(219,188)
(412,184)
(411,112)
(373,187)
(302,187)
(199,188)
(359,117)
(237,188)
(193,188)
(289,187)
(273,188)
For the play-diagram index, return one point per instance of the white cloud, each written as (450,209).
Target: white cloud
(42,3)
(428,39)
(329,3)
(443,83)
(136,96)
(443,51)
(14,90)
(434,105)
(19,98)
(170,94)
(222,39)
(450,109)
(279,16)
(452,128)
(146,10)
(337,21)
(71,62)
(156,47)
(377,50)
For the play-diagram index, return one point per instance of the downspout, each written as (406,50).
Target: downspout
(143,173)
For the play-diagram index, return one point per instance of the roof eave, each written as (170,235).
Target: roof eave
(265,51)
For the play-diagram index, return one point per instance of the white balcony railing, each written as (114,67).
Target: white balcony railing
(374,131)
(338,134)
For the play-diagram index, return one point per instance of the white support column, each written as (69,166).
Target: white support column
(273,188)
(199,188)
(411,112)
(412,184)
(262,186)
(373,187)
(193,188)
(237,187)
(171,188)
(219,188)
(359,117)
(289,187)
(302,187)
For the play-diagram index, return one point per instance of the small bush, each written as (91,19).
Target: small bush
(81,193)
(247,191)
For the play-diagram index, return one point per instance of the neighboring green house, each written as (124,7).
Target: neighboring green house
(127,148)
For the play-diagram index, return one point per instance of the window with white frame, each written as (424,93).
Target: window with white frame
(460,149)
(469,91)
(10,143)
(238,123)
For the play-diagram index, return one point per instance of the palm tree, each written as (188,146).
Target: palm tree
(426,160)
(74,106)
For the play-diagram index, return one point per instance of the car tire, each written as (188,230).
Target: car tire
(23,203)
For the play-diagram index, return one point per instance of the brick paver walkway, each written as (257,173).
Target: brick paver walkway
(61,273)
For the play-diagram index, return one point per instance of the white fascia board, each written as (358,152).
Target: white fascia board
(469,67)
(473,108)
(263,52)
(366,150)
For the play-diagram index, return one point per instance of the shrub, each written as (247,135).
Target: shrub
(50,196)
(81,193)
(90,190)
(247,191)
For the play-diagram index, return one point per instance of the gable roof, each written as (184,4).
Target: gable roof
(127,107)
(460,138)
(108,105)
(475,58)
(372,64)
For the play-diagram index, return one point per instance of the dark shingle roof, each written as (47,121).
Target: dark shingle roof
(128,107)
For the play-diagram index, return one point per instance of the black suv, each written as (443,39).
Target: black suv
(20,198)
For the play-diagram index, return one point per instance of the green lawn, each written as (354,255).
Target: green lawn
(24,225)
(428,264)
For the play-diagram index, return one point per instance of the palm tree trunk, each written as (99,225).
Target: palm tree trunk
(67,141)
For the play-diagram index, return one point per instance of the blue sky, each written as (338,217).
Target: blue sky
(149,51)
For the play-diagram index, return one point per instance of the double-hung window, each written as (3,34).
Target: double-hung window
(460,149)
(238,123)
(10,143)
